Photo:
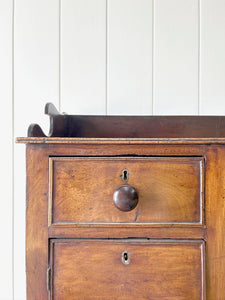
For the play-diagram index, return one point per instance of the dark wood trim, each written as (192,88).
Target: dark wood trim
(151,127)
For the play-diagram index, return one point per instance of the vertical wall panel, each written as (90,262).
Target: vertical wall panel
(129,51)
(176,57)
(6,221)
(212,101)
(83,56)
(36,82)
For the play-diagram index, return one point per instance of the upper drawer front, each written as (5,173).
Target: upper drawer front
(170,189)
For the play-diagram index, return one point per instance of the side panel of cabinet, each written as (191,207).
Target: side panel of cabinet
(37,222)
(215,222)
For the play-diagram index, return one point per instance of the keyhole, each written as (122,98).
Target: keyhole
(125,258)
(125,175)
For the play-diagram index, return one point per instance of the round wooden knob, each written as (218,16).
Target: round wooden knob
(125,198)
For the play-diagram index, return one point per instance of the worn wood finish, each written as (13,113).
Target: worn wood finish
(62,125)
(139,127)
(121,141)
(170,190)
(151,231)
(184,176)
(215,222)
(36,222)
(125,197)
(112,148)
(95,149)
(155,270)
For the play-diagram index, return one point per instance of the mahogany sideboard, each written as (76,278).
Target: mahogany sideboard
(126,208)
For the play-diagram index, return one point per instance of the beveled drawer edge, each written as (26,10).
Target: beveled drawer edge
(50,169)
(130,224)
(178,232)
(202,191)
(190,242)
(200,159)
(162,242)
(203,270)
(139,157)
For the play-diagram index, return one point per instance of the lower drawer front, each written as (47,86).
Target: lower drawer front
(124,269)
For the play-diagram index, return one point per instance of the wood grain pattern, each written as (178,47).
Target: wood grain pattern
(63,125)
(169,189)
(38,233)
(36,222)
(215,221)
(152,231)
(157,270)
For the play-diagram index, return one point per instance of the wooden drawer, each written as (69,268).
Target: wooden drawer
(123,269)
(170,189)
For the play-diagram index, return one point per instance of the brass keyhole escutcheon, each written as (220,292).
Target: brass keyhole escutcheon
(125,175)
(125,258)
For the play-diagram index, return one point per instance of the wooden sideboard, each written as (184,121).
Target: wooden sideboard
(126,208)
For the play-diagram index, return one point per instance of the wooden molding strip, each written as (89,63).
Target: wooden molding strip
(60,140)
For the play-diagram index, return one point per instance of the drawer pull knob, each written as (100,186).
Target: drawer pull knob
(125,258)
(125,198)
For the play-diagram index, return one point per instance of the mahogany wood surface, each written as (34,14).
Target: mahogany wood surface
(215,222)
(120,141)
(36,222)
(151,231)
(63,125)
(38,198)
(125,197)
(142,127)
(73,227)
(170,190)
(168,270)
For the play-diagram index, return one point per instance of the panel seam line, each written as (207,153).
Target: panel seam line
(106,59)
(199,57)
(59,91)
(153,54)
(13,150)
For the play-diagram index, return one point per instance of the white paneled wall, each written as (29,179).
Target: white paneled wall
(130,57)
(176,28)
(212,57)
(83,56)
(6,124)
